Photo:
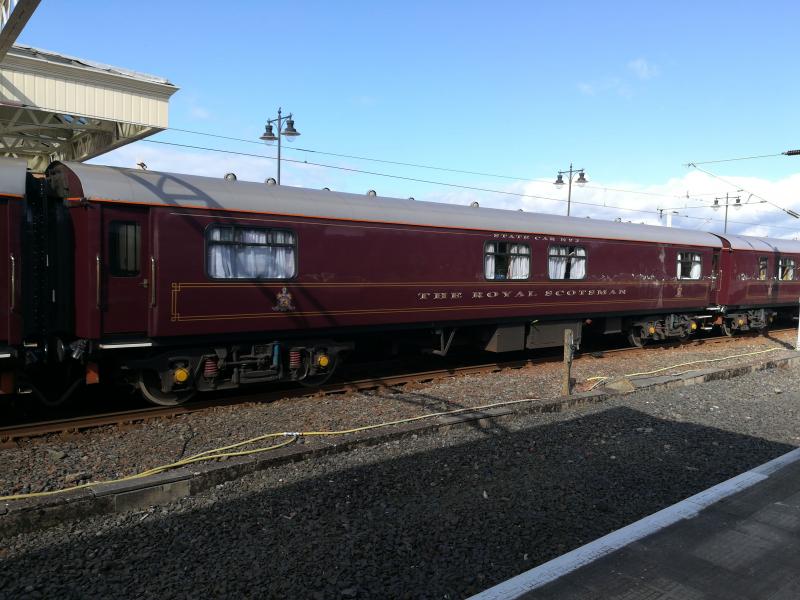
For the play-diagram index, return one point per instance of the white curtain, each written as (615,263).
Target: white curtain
(689,265)
(282,263)
(519,267)
(488,261)
(787,273)
(557,262)
(696,267)
(251,261)
(577,267)
(251,255)
(220,256)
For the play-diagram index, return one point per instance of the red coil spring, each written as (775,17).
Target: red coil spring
(210,368)
(294,359)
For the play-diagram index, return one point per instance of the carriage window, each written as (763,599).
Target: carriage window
(763,267)
(124,239)
(689,265)
(502,260)
(785,269)
(566,262)
(245,253)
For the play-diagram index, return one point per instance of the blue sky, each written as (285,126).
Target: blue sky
(629,90)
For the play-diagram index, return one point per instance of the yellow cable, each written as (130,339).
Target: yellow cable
(153,471)
(222,452)
(694,362)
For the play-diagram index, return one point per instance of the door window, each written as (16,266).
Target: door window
(124,243)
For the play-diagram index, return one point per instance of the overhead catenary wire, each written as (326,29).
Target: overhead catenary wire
(722,160)
(431,167)
(385,161)
(788,211)
(446,184)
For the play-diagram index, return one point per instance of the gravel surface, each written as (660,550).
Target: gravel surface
(57,461)
(441,515)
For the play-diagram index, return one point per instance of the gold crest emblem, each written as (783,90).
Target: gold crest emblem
(284,302)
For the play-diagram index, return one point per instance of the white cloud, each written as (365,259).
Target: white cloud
(198,112)
(214,164)
(611,85)
(364,100)
(604,200)
(643,69)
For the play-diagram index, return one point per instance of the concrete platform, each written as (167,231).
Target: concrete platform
(739,539)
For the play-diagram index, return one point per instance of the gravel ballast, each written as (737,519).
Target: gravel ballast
(57,461)
(441,515)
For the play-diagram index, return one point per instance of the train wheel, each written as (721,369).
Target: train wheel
(635,338)
(150,386)
(726,329)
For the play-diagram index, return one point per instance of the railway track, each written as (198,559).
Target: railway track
(9,435)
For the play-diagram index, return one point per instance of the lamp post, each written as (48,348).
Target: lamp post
(580,181)
(727,198)
(289,132)
(734,201)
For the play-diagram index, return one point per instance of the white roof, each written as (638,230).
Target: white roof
(66,59)
(58,107)
(744,242)
(192,191)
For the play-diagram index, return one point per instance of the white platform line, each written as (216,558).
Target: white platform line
(686,509)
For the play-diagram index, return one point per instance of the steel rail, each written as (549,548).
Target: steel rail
(8,435)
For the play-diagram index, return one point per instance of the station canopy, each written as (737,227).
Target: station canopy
(57,107)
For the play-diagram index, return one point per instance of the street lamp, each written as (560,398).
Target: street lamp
(734,201)
(580,181)
(289,132)
(727,198)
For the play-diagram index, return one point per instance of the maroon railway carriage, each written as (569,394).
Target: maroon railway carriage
(13,177)
(196,283)
(179,283)
(758,276)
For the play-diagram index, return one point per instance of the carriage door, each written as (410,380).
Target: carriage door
(125,274)
(721,263)
(6,274)
(715,278)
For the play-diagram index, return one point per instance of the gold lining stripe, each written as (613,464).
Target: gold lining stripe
(551,283)
(369,311)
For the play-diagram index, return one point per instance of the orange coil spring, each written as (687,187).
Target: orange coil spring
(294,359)
(210,368)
